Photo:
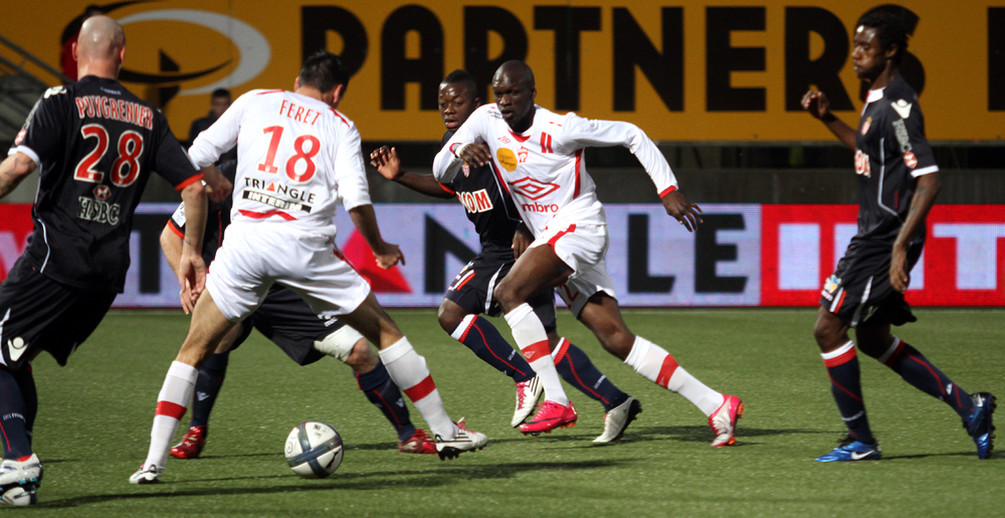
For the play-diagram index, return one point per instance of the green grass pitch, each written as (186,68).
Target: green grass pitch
(93,428)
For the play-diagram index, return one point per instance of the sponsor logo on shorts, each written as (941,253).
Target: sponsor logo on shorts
(831,285)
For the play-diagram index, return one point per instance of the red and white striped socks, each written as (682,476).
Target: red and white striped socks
(408,370)
(657,365)
(532,339)
(172,402)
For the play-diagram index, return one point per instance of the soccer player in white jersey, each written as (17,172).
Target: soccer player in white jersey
(297,156)
(539,155)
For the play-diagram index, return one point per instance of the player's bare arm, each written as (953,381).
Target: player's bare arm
(191,268)
(386,254)
(217,186)
(14,169)
(522,238)
(171,245)
(816,103)
(388,164)
(687,213)
(476,153)
(925,191)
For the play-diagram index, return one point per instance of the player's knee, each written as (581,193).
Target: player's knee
(339,344)
(826,335)
(449,317)
(507,295)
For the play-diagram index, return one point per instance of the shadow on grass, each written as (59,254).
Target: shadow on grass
(419,478)
(695,433)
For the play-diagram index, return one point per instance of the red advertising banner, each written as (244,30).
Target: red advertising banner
(963,263)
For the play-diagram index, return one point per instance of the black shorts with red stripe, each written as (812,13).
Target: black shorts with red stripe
(289,322)
(859,291)
(39,314)
(472,288)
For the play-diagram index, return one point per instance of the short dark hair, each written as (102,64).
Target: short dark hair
(220,92)
(891,25)
(323,71)
(462,77)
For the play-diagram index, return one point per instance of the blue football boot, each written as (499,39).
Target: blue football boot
(851,450)
(979,425)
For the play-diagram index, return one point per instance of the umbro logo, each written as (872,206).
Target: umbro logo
(533,189)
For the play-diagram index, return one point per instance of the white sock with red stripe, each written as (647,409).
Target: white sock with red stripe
(408,370)
(532,339)
(172,402)
(658,366)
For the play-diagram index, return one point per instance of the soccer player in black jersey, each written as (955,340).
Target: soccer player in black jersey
(898,182)
(95,145)
(490,209)
(290,323)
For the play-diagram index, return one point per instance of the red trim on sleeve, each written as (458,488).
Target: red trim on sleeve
(188,181)
(579,171)
(339,115)
(668,190)
(270,92)
(421,389)
(445,188)
(453,148)
(174,228)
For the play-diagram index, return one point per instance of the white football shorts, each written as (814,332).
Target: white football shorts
(582,248)
(256,255)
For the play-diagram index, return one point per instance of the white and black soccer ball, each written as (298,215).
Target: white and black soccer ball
(314,449)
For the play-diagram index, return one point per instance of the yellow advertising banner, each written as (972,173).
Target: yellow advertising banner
(704,70)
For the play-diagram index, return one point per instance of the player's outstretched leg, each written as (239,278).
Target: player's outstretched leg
(378,388)
(843,369)
(556,411)
(657,365)
(172,402)
(207,388)
(21,471)
(479,335)
(577,370)
(975,410)
(408,370)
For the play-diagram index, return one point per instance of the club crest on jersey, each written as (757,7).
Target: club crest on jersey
(506,159)
(866,125)
(522,154)
(466,169)
(910,160)
(102,192)
(862,166)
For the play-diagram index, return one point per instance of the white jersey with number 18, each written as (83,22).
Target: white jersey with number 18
(297,157)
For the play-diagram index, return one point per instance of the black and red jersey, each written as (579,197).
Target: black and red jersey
(891,152)
(96,145)
(487,203)
(217,217)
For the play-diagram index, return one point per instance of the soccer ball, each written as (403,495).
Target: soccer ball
(314,449)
